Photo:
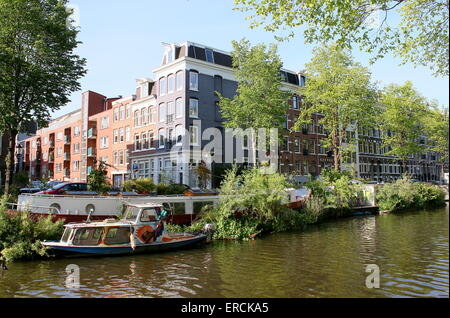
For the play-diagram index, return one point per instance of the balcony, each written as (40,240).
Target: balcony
(66,156)
(66,172)
(52,144)
(91,152)
(92,133)
(51,158)
(67,140)
(90,169)
(169,119)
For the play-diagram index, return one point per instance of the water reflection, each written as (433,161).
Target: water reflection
(327,260)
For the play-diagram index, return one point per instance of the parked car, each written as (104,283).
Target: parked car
(68,188)
(35,186)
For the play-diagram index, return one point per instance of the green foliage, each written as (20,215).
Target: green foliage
(251,203)
(403,115)
(21,179)
(39,69)
(342,89)
(403,194)
(141,185)
(332,193)
(171,188)
(417,30)
(20,235)
(259,101)
(437,129)
(98,180)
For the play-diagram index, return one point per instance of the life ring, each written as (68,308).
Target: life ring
(146,234)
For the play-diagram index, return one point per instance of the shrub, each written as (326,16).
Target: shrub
(20,235)
(98,180)
(141,185)
(171,188)
(403,194)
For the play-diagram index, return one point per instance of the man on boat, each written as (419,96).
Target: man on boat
(160,216)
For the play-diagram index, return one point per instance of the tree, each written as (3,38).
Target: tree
(437,131)
(341,90)
(98,180)
(203,174)
(415,30)
(402,121)
(260,102)
(38,66)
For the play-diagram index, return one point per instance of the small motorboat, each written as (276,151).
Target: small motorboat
(141,230)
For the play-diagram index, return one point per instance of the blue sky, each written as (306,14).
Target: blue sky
(122,42)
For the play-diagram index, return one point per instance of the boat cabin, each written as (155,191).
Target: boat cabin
(139,220)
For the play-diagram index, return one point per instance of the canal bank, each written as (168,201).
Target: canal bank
(325,260)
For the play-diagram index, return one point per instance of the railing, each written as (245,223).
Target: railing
(169,118)
(91,133)
(67,139)
(90,152)
(66,156)
(36,208)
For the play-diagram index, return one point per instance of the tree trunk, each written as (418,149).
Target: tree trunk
(337,154)
(10,159)
(405,167)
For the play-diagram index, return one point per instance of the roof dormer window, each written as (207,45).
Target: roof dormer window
(209,55)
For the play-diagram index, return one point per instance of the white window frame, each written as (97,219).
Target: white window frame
(193,84)
(191,108)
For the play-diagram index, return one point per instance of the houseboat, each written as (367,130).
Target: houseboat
(141,230)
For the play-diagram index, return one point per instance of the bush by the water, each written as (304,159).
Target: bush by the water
(141,185)
(404,194)
(20,235)
(251,203)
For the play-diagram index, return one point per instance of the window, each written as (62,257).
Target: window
(136,118)
(171,83)
(170,111)
(144,117)
(115,158)
(245,142)
(137,145)
(179,133)
(209,55)
(45,140)
(104,142)
(128,111)
(193,107)
(118,235)
(59,152)
(285,143)
(76,148)
(151,115)
(105,122)
(297,144)
(218,84)
(76,131)
(88,236)
(180,81)
(193,133)
(76,165)
(122,113)
(151,143)
(193,80)
(116,114)
(162,138)
(162,113)
(162,86)
(122,134)
(144,141)
(59,136)
(302,80)
(116,136)
(179,108)
(295,102)
(127,134)
(121,158)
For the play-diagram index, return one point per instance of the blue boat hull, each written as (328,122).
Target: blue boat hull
(77,251)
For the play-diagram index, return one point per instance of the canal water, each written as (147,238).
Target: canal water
(327,260)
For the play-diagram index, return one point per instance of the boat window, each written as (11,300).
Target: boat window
(148,215)
(66,235)
(131,213)
(87,236)
(200,206)
(118,235)
(175,207)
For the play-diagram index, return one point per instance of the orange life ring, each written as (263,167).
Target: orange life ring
(146,234)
